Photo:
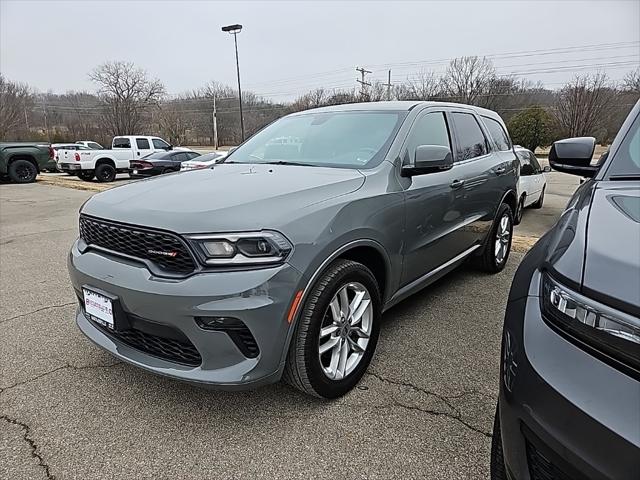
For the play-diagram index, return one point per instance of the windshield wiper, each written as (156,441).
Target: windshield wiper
(630,176)
(284,162)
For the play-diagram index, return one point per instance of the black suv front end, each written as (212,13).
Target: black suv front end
(569,402)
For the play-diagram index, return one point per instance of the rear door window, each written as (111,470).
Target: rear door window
(142,143)
(471,141)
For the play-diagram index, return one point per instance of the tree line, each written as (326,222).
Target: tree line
(127,100)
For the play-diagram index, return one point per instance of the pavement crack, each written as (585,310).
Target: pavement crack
(26,435)
(14,237)
(36,311)
(454,414)
(57,369)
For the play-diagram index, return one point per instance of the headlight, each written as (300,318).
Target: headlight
(247,248)
(613,333)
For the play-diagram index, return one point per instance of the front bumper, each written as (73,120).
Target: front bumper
(259,298)
(564,410)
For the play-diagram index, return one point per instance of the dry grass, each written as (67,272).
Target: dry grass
(69,182)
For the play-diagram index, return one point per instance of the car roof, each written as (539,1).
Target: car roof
(399,105)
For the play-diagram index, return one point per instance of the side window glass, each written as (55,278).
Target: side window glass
(120,142)
(157,143)
(472,142)
(534,163)
(430,129)
(498,134)
(525,164)
(142,143)
(180,157)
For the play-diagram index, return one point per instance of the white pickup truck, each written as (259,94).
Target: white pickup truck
(104,164)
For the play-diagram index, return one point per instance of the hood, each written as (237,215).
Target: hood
(226,197)
(612,256)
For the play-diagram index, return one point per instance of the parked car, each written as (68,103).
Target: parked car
(59,156)
(204,161)
(569,403)
(22,162)
(279,261)
(160,162)
(90,144)
(105,164)
(532,183)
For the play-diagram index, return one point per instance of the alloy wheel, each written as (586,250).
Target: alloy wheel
(345,331)
(503,237)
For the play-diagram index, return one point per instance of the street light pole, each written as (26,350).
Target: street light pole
(235,29)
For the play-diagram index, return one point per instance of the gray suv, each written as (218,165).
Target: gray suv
(280,261)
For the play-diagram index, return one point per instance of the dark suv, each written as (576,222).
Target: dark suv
(569,404)
(281,260)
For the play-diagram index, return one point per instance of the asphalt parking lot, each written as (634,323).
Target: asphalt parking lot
(68,410)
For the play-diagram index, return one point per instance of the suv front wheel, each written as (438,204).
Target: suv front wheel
(497,247)
(337,331)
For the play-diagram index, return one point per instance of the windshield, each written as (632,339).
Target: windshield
(627,160)
(331,139)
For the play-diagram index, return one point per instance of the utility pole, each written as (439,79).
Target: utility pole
(362,82)
(388,85)
(46,124)
(215,124)
(26,118)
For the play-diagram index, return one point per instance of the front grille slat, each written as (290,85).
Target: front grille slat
(139,243)
(165,348)
(540,468)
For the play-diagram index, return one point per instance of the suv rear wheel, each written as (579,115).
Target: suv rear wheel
(22,171)
(337,331)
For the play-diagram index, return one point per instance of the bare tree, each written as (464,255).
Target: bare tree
(127,93)
(467,79)
(631,82)
(583,104)
(423,86)
(15,100)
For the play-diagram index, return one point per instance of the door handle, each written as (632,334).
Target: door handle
(500,170)
(456,184)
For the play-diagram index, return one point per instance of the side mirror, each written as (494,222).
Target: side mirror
(429,159)
(170,147)
(573,155)
(546,169)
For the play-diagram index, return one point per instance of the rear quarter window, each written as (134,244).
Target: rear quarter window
(120,142)
(498,134)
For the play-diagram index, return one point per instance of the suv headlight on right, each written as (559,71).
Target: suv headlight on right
(613,333)
(244,248)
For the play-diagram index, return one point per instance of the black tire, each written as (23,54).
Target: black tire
(520,210)
(166,170)
(303,369)
(540,201)
(22,171)
(105,173)
(487,260)
(498,469)
(86,175)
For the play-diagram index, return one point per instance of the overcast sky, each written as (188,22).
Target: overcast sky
(287,48)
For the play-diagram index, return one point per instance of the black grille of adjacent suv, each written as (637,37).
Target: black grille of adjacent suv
(165,250)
